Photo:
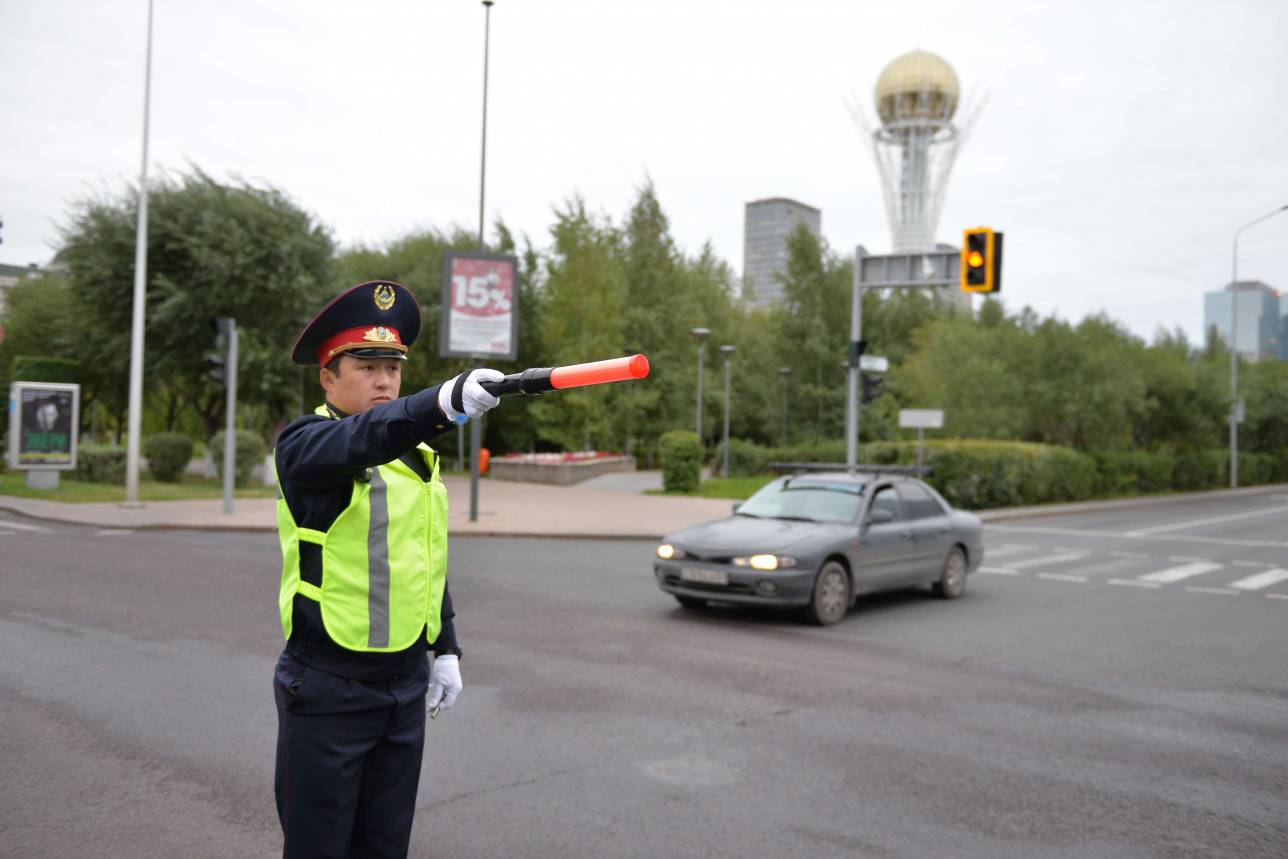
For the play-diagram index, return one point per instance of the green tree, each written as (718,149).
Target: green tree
(214,249)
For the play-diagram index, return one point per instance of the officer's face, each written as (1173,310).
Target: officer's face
(362,383)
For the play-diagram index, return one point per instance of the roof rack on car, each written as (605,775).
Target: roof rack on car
(871,468)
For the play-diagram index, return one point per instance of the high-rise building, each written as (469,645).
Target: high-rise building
(1259,316)
(766,226)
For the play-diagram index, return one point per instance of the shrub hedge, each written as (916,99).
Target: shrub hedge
(681,460)
(988,474)
(249,451)
(97,463)
(168,455)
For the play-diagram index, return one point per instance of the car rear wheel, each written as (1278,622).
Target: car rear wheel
(831,598)
(690,602)
(952,581)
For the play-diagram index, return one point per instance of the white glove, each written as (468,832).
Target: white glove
(474,398)
(445,682)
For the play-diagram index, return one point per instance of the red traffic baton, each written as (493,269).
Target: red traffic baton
(539,380)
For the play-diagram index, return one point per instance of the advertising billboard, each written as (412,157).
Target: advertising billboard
(480,315)
(43,420)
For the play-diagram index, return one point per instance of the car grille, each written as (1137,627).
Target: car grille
(731,588)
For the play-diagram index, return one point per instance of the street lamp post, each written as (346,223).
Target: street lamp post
(476,426)
(784,372)
(727,350)
(1234,347)
(701,334)
(135,423)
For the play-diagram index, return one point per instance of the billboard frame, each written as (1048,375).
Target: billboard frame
(445,310)
(16,389)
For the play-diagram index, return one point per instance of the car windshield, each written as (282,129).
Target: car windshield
(811,500)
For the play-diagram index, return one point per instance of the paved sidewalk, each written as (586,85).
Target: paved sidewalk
(505,508)
(520,509)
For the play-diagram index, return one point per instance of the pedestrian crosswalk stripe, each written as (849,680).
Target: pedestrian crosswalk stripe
(1003,551)
(19,526)
(1225,591)
(1001,571)
(1048,560)
(1061,577)
(1132,583)
(1176,574)
(1261,580)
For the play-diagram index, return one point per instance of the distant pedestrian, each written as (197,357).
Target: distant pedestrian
(362,519)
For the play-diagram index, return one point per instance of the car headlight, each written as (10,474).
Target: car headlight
(667,552)
(766,563)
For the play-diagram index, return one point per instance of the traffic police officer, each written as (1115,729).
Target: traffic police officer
(362,519)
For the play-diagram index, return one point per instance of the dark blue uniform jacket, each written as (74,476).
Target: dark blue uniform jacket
(317,460)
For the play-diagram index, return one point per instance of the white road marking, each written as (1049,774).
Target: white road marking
(1003,551)
(1251,564)
(1187,558)
(1107,566)
(1048,560)
(998,571)
(20,526)
(1223,591)
(1136,555)
(1120,535)
(1276,596)
(1132,583)
(1196,523)
(1261,580)
(1061,577)
(112,532)
(1176,574)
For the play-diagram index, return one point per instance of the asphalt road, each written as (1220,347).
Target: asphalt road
(1112,685)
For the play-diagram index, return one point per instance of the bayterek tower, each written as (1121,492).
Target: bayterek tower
(915,144)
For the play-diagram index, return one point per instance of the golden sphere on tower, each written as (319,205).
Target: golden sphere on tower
(917,85)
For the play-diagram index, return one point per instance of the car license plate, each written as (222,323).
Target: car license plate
(706,577)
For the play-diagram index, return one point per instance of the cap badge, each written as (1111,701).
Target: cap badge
(379,334)
(384,296)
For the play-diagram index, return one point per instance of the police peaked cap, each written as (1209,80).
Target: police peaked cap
(376,319)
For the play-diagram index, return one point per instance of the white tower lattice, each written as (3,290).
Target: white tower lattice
(916,143)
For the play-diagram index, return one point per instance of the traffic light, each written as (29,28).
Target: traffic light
(872,387)
(981,265)
(217,361)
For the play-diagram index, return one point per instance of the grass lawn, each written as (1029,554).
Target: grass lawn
(76,491)
(733,488)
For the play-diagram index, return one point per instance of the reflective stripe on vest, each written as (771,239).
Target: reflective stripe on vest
(384,559)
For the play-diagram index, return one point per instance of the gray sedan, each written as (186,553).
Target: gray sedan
(817,541)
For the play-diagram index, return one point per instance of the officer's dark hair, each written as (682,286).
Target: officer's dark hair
(334,364)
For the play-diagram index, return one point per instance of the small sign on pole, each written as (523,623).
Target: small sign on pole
(921,419)
(874,363)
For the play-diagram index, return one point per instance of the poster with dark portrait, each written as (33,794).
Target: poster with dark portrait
(43,421)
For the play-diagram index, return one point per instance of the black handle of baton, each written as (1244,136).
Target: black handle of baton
(534,380)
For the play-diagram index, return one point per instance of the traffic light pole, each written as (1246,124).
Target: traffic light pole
(852,391)
(230,417)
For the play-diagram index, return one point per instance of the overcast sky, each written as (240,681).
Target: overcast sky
(1121,145)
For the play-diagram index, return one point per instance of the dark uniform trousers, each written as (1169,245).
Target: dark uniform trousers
(348,759)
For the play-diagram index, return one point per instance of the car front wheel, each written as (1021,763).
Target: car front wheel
(831,597)
(952,581)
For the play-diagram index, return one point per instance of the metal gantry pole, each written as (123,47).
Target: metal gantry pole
(230,417)
(476,428)
(852,391)
(727,351)
(135,422)
(1234,347)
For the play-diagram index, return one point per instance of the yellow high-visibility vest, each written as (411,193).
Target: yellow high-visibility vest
(384,559)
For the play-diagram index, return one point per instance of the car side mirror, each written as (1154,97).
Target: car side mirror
(737,507)
(880,516)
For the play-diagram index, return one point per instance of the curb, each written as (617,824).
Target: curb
(986,516)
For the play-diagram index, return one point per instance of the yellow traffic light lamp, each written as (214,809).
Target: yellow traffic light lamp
(981,263)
